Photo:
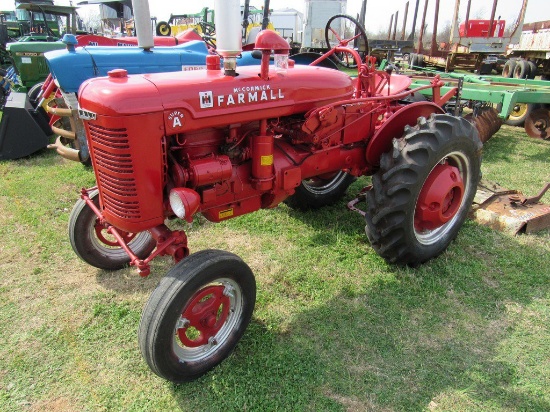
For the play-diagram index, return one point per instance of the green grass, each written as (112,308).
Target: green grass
(335,327)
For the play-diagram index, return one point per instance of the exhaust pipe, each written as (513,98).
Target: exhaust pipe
(64,151)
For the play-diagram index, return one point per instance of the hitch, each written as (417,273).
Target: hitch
(361,196)
(519,198)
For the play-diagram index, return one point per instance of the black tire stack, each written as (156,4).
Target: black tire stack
(519,69)
(416,60)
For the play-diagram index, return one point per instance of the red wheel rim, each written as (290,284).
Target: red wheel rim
(100,234)
(204,316)
(439,199)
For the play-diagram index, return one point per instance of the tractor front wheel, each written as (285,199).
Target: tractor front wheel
(95,246)
(196,315)
(424,189)
(320,191)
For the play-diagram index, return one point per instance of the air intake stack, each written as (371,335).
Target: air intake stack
(228,33)
(142,21)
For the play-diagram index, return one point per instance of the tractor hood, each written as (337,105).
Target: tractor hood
(23,48)
(72,68)
(208,98)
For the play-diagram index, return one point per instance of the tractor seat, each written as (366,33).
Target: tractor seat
(387,85)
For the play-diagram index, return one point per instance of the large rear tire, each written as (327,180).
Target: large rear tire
(532,69)
(522,70)
(92,243)
(320,191)
(424,189)
(508,70)
(196,315)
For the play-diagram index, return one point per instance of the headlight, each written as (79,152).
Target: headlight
(184,202)
(176,203)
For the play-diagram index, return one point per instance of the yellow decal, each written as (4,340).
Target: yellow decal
(266,160)
(225,213)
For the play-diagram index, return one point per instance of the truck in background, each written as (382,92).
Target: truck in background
(289,23)
(318,12)
(531,56)
(471,41)
(528,58)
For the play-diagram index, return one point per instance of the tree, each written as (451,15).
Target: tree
(91,20)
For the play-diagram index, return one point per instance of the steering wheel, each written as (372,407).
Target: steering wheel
(208,33)
(344,31)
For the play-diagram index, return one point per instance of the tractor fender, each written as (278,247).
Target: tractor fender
(392,128)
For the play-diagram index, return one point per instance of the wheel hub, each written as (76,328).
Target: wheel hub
(102,235)
(204,316)
(440,198)
(519,110)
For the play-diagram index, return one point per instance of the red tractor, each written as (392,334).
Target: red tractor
(225,142)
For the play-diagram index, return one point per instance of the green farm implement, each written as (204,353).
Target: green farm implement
(511,98)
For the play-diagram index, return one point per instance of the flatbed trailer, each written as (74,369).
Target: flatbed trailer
(470,42)
(504,94)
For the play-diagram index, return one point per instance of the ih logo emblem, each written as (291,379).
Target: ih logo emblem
(206,99)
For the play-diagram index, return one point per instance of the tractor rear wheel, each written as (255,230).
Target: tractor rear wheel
(196,315)
(424,189)
(95,246)
(320,191)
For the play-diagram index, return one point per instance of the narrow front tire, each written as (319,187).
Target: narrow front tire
(91,242)
(197,314)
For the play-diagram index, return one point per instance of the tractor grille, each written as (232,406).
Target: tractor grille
(129,158)
(43,69)
(115,171)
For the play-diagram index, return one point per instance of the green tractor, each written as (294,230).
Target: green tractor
(36,29)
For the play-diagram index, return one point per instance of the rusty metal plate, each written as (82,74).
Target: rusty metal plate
(494,207)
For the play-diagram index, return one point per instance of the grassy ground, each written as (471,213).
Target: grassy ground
(335,327)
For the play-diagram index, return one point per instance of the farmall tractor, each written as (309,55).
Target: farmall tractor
(228,141)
